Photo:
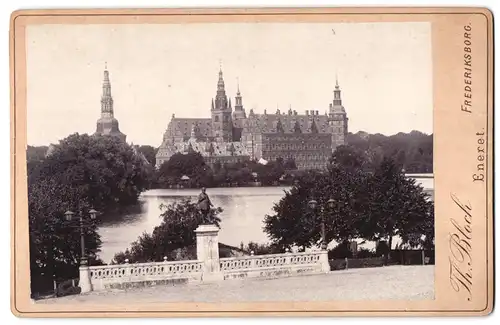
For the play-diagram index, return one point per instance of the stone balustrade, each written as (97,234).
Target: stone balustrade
(128,275)
(273,265)
(207,268)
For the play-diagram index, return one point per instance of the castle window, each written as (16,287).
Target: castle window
(216,119)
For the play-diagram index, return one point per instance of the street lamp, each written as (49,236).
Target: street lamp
(313,204)
(83,224)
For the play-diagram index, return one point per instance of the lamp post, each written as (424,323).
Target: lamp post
(82,225)
(313,204)
(84,283)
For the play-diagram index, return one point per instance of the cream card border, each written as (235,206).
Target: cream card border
(463,208)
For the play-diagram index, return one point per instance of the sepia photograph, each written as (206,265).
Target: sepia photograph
(242,162)
(239,161)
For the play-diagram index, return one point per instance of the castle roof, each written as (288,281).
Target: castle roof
(206,148)
(183,126)
(268,123)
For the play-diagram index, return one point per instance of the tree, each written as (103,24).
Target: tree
(81,173)
(106,170)
(34,153)
(176,232)
(340,251)
(397,207)
(260,249)
(238,174)
(348,157)
(413,151)
(295,223)
(191,164)
(290,164)
(267,174)
(149,153)
(366,206)
(54,245)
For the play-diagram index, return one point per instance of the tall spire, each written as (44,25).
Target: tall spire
(239,111)
(337,101)
(239,102)
(106,98)
(221,98)
(220,82)
(107,125)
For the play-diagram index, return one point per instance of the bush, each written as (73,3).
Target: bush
(356,263)
(174,238)
(340,251)
(382,248)
(260,249)
(410,257)
(337,265)
(184,254)
(66,288)
(365,253)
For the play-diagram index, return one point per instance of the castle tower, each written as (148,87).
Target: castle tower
(239,114)
(108,124)
(106,98)
(337,118)
(222,125)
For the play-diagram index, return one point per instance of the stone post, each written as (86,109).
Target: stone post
(323,258)
(207,252)
(84,283)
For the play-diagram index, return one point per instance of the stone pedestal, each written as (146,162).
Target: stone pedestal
(84,282)
(207,252)
(325,265)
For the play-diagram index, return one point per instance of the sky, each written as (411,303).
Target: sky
(384,71)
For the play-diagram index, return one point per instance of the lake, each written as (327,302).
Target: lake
(242,218)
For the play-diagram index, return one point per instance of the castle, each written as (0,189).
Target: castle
(229,136)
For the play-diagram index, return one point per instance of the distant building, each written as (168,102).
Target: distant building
(107,124)
(231,135)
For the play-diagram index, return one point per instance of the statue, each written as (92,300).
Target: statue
(204,205)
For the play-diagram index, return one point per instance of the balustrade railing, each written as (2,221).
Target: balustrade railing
(145,269)
(269,261)
(203,269)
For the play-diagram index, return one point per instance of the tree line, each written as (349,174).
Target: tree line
(413,151)
(191,170)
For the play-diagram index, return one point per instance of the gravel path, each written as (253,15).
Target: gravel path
(394,282)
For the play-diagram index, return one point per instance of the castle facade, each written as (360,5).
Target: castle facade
(231,135)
